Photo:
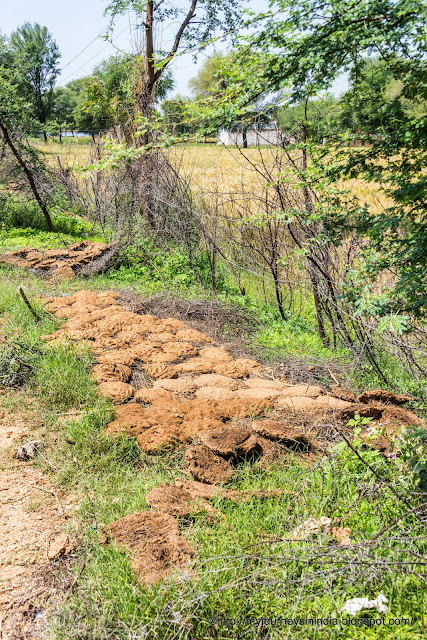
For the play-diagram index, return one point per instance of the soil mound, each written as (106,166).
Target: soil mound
(262,393)
(399,417)
(287,436)
(343,394)
(130,420)
(227,441)
(111,372)
(263,383)
(184,387)
(217,381)
(176,501)
(302,391)
(212,393)
(239,368)
(117,391)
(188,497)
(386,397)
(180,385)
(196,489)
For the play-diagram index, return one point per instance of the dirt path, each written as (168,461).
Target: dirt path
(33,517)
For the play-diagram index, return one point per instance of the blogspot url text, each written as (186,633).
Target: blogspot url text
(326,622)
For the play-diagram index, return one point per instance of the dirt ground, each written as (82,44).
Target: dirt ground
(35,560)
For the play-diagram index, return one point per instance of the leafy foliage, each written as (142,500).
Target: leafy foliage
(36,56)
(16,365)
(384,114)
(318,115)
(212,18)
(413,447)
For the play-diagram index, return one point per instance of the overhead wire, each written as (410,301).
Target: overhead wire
(83,50)
(94,56)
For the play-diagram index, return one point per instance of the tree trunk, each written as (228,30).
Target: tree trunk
(145,100)
(318,307)
(28,174)
(209,238)
(245,138)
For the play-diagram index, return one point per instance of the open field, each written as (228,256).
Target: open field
(213,169)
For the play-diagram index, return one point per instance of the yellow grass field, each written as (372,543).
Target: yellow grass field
(214,170)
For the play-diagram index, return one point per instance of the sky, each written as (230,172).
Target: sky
(75,25)
(78,26)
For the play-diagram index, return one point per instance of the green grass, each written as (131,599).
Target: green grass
(237,574)
(22,224)
(243,567)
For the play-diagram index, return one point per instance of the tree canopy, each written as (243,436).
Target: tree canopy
(36,56)
(208,81)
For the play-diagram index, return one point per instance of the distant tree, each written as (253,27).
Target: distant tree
(110,94)
(65,103)
(71,107)
(36,57)
(6,58)
(374,104)
(318,115)
(209,81)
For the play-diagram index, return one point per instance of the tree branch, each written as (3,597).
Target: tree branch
(178,37)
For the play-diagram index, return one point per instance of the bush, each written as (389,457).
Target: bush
(168,265)
(15,212)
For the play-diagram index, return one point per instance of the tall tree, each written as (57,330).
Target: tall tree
(36,56)
(6,59)
(373,104)
(320,114)
(193,23)
(65,102)
(208,81)
(109,95)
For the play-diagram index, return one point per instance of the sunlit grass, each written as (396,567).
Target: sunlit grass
(70,151)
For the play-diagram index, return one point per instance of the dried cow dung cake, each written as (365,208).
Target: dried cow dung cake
(206,466)
(153,539)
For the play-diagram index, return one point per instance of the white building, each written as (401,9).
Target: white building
(255,136)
